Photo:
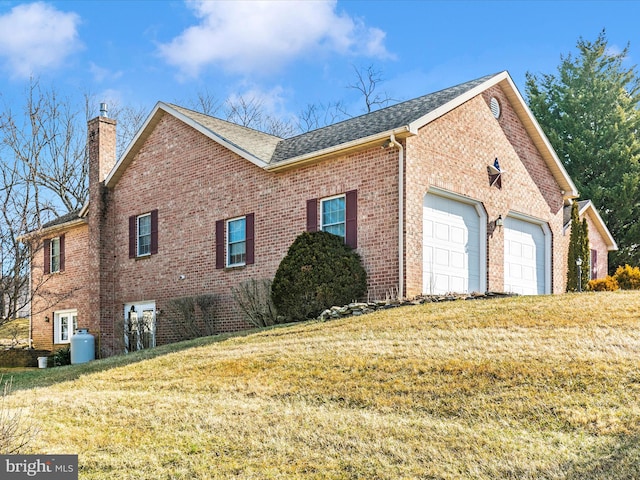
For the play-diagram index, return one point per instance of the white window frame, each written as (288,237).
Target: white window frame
(54,258)
(138,324)
(229,243)
(72,315)
(139,253)
(326,227)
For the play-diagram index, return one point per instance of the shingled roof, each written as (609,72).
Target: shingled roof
(259,144)
(67,217)
(369,124)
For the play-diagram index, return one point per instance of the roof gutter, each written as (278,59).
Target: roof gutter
(335,150)
(392,139)
(52,229)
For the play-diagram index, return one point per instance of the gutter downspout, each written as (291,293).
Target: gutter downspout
(393,140)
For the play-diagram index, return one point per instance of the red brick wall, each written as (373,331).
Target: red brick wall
(193,182)
(452,154)
(62,290)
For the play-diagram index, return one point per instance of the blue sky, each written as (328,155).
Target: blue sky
(290,54)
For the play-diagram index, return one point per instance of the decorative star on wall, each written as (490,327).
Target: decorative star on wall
(495,174)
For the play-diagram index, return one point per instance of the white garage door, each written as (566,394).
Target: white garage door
(524,257)
(451,246)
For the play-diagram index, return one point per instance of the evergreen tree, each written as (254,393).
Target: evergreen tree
(589,111)
(575,249)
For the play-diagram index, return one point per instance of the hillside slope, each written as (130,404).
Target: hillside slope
(530,387)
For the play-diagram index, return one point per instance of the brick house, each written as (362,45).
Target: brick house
(457,191)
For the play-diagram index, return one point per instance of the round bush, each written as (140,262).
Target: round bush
(319,271)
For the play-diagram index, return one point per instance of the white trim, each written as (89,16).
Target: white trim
(56,325)
(482,214)
(138,254)
(51,256)
(526,116)
(344,220)
(227,244)
(548,247)
(335,149)
(600,225)
(154,118)
(139,341)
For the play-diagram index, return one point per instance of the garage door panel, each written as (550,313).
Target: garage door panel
(442,257)
(451,245)
(524,257)
(442,232)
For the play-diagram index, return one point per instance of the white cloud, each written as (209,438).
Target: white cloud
(101,74)
(262,36)
(36,36)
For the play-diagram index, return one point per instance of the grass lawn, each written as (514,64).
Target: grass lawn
(15,332)
(523,388)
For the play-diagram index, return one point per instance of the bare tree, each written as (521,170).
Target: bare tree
(205,102)
(43,176)
(320,115)
(46,143)
(366,82)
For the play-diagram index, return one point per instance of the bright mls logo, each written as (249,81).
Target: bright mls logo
(49,467)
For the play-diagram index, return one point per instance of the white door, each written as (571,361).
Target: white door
(451,246)
(139,326)
(524,257)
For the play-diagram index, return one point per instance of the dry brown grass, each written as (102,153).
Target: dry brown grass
(14,333)
(531,387)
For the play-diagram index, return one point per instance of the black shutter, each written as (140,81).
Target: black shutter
(47,256)
(351,218)
(312,215)
(249,238)
(154,232)
(62,253)
(220,244)
(132,236)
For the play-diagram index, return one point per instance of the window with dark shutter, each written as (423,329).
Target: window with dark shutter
(143,234)
(594,264)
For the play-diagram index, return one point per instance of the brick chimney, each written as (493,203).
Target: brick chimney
(101,146)
(101,142)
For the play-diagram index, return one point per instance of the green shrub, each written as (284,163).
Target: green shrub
(628,277)
(319,271)
(62,357)
(607,284)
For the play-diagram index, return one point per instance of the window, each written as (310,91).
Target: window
(333,218)
(54,255)
(235,241)
(338,215)
(143,234)
(65,324)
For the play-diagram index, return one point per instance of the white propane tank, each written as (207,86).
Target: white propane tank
(82,347)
